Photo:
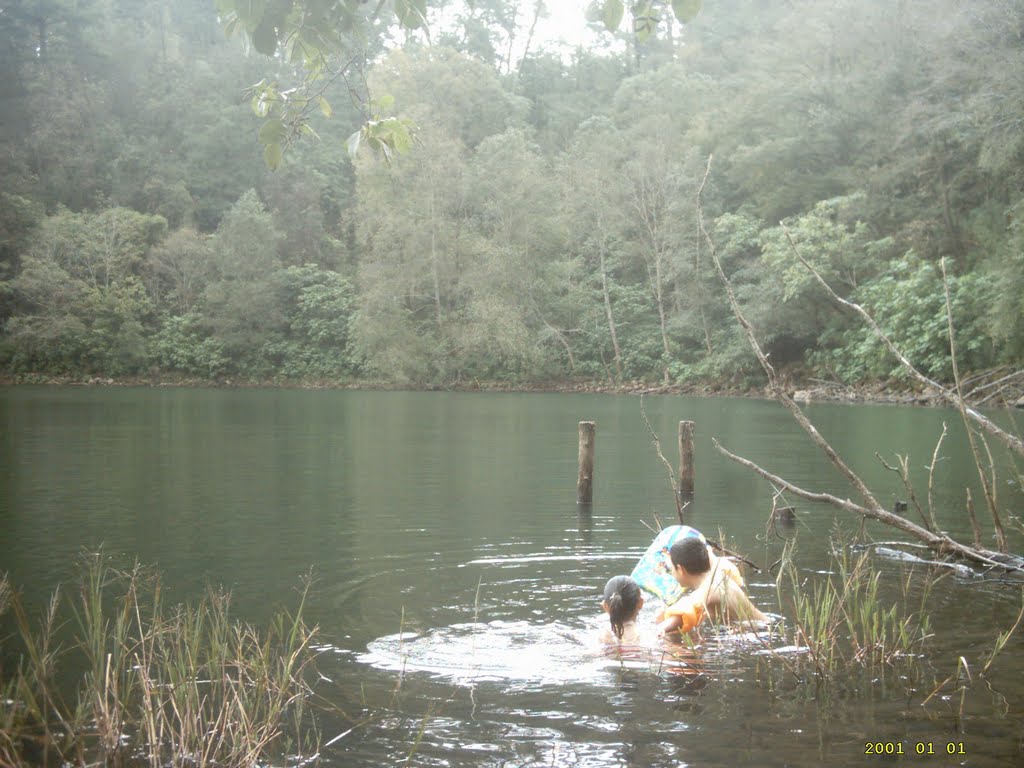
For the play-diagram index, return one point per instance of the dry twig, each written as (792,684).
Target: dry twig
(680,506)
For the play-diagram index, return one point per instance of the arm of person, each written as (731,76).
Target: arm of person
(740,609)
(683,615)
(669,624)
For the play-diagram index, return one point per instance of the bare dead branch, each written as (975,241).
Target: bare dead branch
(1012,441)
(1000,385)
(772,526)
(986,487)
(974,519)
(903,471)
(931,481)
(777,389)
(938,542)
(871,509)
(657,447)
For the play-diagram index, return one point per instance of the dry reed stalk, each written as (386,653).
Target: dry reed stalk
(189,687)
(931,482)
(680,506)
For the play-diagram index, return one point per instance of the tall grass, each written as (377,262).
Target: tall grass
(114,676)
(842,621)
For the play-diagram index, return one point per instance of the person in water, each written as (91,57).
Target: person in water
(622,602)
(716,562)
(714,589)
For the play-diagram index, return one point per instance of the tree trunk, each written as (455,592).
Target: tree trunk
(529,37)
(608,313)
(658,294)
(433,263)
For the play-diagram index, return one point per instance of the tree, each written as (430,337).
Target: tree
(659,210)
(242,303)
(332,40)
(19,220)
(178,270)
(512,202)
(591,196)
(908,303)
(789,309)
(320,307)
(441,88)
(411,225)
(85,307)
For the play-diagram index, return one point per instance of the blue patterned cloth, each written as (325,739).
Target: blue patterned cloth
(653,573)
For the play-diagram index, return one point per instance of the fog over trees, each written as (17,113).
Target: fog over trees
(542,227)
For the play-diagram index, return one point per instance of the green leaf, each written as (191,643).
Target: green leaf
(325,107)
(263,98)
(264,38)
(386,102)
(273,131)
(401,139)
(645,21)
(353,143)
(272,155)
(612,14)
(686,10)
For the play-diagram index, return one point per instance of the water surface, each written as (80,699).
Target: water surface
(458,582)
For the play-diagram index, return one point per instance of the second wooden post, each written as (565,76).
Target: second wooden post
(685,458)
(585,483)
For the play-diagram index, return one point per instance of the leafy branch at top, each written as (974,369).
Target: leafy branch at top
(310,35)
(645,14)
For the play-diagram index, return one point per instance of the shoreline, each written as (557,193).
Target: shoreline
(878,393)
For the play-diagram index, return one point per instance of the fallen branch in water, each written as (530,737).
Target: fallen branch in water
(939,542)
(871,508)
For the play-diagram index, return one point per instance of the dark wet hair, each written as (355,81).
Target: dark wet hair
(622,595)
(691,553)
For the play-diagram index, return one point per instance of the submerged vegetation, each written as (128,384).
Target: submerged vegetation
(114,676)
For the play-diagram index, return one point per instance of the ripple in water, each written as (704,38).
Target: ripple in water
(552,653)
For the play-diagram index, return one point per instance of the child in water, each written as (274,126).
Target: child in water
(622,602)
(716,590)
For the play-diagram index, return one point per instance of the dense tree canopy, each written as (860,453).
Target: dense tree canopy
(542,226)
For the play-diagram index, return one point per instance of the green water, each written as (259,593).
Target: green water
(452,517)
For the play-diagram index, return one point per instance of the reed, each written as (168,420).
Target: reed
(842,621)
(156,685)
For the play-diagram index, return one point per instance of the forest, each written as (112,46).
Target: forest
(540,228)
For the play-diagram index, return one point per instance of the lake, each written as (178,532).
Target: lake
(458,582)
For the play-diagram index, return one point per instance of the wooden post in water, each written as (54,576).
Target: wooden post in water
(585,483)
(686,458)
